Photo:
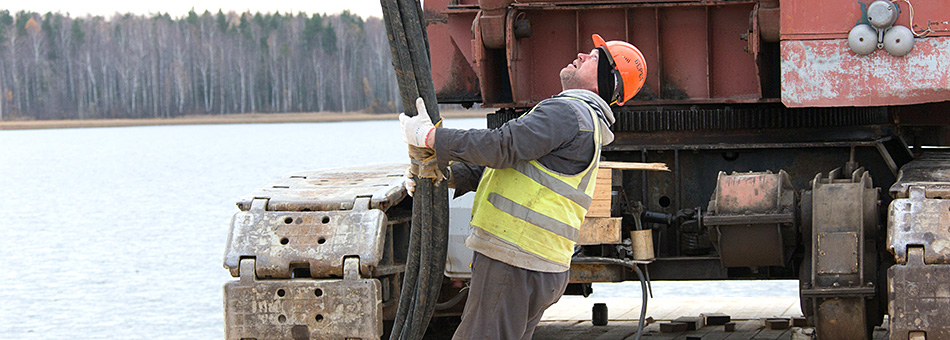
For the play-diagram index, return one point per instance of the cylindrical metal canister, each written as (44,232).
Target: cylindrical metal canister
(882,14)
(642,244)
(599,317)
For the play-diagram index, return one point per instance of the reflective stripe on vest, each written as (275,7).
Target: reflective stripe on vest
(536,208)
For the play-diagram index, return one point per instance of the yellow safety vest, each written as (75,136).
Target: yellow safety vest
(536,208)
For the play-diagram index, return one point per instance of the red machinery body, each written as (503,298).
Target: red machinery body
(508,54)
(770,94)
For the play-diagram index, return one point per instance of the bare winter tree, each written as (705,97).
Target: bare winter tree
(53,66)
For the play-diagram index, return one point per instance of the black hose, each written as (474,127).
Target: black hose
(432,265)
(438,248)
(428,238)
(407,86)
(402,62)
(636,269)
(417,38)
(409,276)
(419,301)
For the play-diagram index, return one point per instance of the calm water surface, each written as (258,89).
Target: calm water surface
(119,233)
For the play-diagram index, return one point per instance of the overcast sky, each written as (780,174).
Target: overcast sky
(177,8)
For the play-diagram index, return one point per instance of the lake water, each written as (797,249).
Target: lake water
(119,233)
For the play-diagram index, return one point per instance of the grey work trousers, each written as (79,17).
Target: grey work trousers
(506,302)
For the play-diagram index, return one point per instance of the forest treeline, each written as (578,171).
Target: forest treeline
(53,66)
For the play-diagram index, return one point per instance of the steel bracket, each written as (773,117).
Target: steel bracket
(283,241)
(303,308)
(919,297)
(751,217)
(918,220)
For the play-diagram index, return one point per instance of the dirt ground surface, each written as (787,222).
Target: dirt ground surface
(242,118)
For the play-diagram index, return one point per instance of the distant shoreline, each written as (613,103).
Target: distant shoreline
(237,118)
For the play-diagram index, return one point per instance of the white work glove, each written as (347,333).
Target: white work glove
(409,183)
(416,129)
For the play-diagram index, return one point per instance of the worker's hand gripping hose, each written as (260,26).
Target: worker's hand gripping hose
(416,130)
(428,236)
(423,164)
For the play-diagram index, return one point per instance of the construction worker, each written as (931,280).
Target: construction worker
(535,178)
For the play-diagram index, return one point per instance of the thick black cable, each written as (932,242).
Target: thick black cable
(437,249)
(429,230)
(402,62)
(416,37)
(407,87)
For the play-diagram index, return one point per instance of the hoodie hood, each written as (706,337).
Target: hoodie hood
(602,109)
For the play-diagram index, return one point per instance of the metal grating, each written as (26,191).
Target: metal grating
(694,119)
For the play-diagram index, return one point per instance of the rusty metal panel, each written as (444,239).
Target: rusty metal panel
(453,63)
(693,50)
(838,253)
(817,19)
(731,72)
(534,62)
(828,73)
(600,230)
(610,21)
(804,18)
(332,189)
(920,221)
(302,309)
(281,241)
(749,214)
(932,170)
(684,52)
(747,193)
(919,298)
(586,273)
(751,245)
(838,207)
(847,315)
(635,2)
(642,32)
(844,214)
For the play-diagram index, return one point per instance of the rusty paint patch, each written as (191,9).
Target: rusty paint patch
(747,193)
(827,73)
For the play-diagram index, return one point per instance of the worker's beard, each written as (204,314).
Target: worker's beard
(570,80)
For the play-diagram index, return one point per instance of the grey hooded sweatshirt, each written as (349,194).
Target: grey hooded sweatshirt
(558,133)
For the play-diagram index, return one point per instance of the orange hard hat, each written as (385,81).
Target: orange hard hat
(627,64)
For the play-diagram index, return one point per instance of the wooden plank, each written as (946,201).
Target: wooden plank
(559,330)
(602,187)
(634,166)
(618,330)
(599,208)
(571,317)
(772,334)
(745,330)
(600,230)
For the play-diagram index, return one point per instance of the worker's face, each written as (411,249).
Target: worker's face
(582,72)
